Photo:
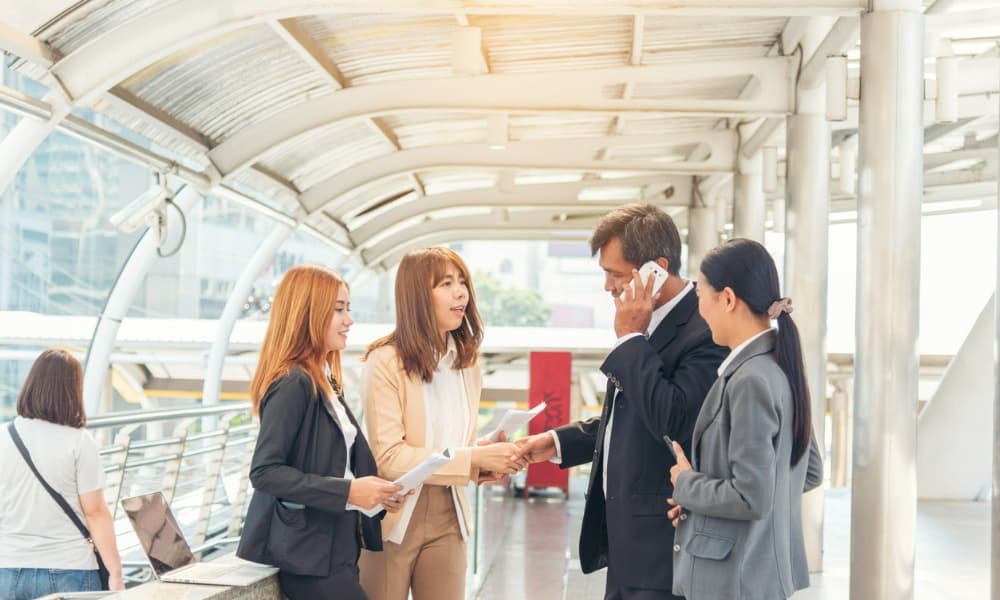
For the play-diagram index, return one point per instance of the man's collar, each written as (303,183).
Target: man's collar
(661,313)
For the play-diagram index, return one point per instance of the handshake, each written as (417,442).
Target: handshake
(497,459)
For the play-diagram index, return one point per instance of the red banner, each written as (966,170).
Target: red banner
(550,374)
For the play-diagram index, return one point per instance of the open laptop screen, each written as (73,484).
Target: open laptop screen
(158,532)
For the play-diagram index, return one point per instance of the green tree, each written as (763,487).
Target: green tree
(503,306)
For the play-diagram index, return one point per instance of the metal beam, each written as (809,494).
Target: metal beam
(552,196)
(130,279)
(542,224)
(568,155)
(578,92)
(234,306)
(309,51)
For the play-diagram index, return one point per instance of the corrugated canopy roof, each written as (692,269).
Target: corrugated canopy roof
(333,110)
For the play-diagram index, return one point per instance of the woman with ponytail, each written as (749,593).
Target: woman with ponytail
(737,503)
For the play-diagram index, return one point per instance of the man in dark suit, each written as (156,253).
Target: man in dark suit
(658,373)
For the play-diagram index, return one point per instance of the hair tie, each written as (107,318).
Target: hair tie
(781,305)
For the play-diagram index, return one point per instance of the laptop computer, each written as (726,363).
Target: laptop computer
(169,554)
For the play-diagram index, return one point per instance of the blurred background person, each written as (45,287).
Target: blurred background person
(42,551)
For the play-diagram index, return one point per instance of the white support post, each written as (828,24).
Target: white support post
(890,188)
(703,235)
(749,208)
(807,225)
(234,305)
(995,511)
(130,280)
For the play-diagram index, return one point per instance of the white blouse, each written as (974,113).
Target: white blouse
(446,405)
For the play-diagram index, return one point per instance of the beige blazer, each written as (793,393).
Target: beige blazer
(396,419)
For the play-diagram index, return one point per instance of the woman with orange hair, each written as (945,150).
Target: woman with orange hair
(312,469)
(421,386)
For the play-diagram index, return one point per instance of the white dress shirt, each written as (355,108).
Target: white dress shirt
(657,317)
(447,408)
(349,431)
(736,351)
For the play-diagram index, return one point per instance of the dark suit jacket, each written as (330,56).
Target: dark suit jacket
(300,458)
(663,382)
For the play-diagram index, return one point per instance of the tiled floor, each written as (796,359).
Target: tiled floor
(529,550)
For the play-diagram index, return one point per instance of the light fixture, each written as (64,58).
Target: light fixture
(836,88)
(467,55)
(946,69)
(497,131)
(769,169)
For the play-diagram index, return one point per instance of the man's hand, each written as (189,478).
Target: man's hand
(681,466)
(634,308)
(536,448)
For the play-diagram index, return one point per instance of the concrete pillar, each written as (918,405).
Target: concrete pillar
(890,189)
(703,235)
(749,209)
(807,226)
(385,306)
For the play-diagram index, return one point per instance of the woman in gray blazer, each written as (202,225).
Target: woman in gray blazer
(737,503)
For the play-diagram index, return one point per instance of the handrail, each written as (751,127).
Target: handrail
(133,417)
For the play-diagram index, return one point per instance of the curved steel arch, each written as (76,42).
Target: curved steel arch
(393,256)
(560,91)
(503,222)
(554,196)
(568,155)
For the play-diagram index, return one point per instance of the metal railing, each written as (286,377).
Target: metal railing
(199,457)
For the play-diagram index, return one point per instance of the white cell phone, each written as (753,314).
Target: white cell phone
(651,268)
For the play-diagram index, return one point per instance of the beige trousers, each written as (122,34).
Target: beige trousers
(431,560)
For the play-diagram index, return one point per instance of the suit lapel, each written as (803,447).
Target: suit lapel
(666,331)
(716,395)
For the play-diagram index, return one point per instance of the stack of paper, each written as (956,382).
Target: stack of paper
(415,477)
(514,420)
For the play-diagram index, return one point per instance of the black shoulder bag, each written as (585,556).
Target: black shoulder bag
(102,571)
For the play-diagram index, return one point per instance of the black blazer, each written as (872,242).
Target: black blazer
(663,382)
(300,458)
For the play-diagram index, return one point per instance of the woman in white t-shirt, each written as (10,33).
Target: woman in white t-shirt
(42,551)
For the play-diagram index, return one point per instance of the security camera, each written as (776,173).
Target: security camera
(149,210)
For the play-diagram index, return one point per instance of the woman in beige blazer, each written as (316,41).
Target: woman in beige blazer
(421,386)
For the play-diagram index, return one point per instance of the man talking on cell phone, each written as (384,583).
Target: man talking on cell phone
(658,373)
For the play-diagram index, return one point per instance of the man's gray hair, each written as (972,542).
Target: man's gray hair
(646,233)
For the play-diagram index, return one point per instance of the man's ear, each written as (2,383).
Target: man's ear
(664,264)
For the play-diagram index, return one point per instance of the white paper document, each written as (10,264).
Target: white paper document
(514,420)
(415,477)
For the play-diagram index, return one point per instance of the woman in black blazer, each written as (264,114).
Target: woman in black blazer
(312,469)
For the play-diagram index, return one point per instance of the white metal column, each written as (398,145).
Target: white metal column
(807,226)
(231,312)
(995,527)
(749,208)
(120,297)
(890,188)
(703,235)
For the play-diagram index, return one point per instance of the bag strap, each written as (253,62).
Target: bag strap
(55,495)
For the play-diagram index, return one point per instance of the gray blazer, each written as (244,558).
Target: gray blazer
(741,534)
